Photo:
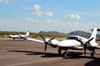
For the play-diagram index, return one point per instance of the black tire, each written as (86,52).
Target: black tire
(65,54)
(24,39)
(92,54)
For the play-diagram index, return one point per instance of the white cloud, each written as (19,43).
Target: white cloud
(39,12)
(37,7)
(61,26)
(30,19)
(5,1)
(45,25)
(73,17)
(50,13)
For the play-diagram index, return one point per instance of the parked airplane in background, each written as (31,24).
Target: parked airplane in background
(72,42)
(19,36)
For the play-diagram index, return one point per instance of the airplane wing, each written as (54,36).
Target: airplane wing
(81,48)
(36,40)
(13,36)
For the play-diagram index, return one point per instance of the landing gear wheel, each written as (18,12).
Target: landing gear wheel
(92,54)
(24,39)
(65,54)
(59,51)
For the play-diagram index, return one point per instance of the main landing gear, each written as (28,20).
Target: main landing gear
(14,39)
(60,52)
(92,54)
(65,53)
(24,39)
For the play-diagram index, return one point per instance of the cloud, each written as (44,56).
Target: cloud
(50,13)
(37,7)
(5,1)
(30,19)
(45,25)
(39,12)
(73,17)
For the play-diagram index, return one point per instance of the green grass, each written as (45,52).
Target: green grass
(3,37)
(58,38)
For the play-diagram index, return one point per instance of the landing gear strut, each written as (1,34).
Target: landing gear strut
(59,51)
(14,39)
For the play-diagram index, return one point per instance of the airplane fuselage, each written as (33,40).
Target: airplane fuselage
(69,43)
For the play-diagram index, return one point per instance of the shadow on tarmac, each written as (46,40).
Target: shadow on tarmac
(95,62)
(71,55)
(44,54)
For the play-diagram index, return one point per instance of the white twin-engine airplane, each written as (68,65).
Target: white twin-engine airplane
(73,42)
(19,36)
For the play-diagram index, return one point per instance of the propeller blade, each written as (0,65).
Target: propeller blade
(43,38)
(46,43)
(85,45)
(50,40)
(85,49)
(89,40)
(45,48)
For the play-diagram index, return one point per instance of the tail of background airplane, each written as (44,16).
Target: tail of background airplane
(27,34)
(93,35)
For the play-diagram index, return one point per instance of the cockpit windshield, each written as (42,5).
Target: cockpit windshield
(74,38)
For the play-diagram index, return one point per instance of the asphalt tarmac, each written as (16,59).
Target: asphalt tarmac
(29,53)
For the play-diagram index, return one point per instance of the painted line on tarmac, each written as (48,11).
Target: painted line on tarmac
(34,62)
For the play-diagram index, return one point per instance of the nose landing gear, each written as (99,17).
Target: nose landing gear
(59,51)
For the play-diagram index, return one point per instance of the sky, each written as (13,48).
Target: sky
(49,15)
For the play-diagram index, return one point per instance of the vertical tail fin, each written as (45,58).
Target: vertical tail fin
(27,34)
(93,35)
